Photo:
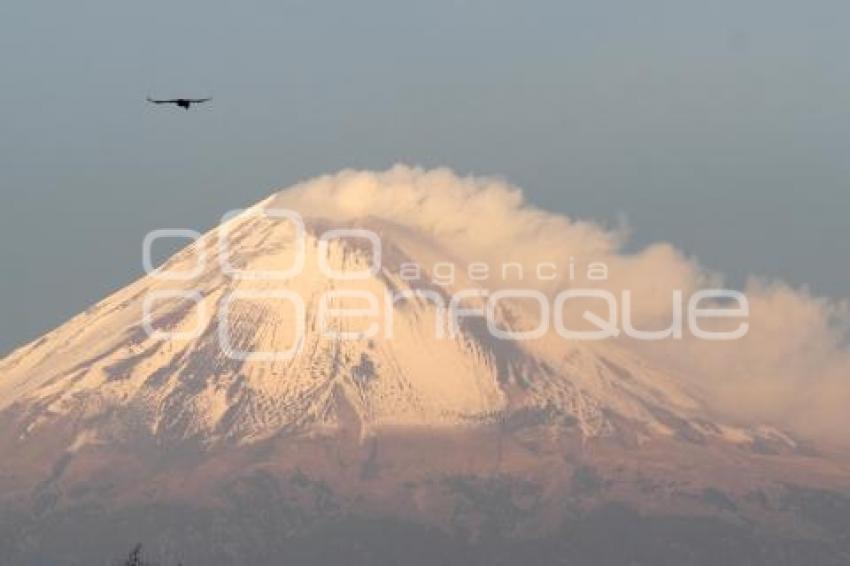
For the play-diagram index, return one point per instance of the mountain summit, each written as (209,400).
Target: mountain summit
(274,323)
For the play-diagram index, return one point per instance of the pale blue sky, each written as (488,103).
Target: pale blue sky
(721,126)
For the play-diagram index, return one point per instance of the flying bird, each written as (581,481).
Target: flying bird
(184,103)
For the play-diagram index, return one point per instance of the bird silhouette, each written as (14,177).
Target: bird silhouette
(184,103)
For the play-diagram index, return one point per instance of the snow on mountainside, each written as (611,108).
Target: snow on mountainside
(107,371)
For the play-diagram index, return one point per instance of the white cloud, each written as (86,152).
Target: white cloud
(791,370)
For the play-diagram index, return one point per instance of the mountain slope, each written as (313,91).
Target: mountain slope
(105,360)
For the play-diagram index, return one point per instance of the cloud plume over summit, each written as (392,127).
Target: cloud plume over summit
(792,369)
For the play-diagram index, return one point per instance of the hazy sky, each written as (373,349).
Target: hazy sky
(723,127)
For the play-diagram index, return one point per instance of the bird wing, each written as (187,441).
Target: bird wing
(168,101)
(198,100)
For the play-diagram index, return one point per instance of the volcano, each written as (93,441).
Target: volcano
(282,391)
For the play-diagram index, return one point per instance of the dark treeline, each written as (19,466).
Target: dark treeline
(135,558)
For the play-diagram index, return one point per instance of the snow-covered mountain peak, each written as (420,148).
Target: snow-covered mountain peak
(274,323)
